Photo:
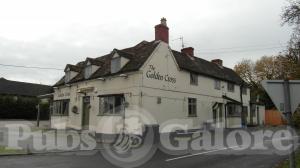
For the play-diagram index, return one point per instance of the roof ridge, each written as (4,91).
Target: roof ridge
(203,60)
(30,83)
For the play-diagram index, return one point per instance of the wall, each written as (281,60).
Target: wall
(174,95)
(110,86)
(274,118)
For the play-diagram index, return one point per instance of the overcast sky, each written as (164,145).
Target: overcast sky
(57,32)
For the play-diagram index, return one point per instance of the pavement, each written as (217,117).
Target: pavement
(227,157)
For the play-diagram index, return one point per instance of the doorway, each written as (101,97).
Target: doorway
(86,112)
(218,115)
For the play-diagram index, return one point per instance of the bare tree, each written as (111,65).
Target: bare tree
(291,14)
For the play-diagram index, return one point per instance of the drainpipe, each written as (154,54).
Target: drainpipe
(242,113)
(38,115)
(225,115)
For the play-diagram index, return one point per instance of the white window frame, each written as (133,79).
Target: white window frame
(61,107)
(192,107)
(67,76)
(229,89)
(107,105)
(236,110)
(193,79)
(115,65)
(88,71)
(217,84)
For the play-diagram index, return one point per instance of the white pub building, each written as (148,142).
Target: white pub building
(151,76)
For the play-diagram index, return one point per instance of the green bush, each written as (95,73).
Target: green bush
(296,119)
(12,107)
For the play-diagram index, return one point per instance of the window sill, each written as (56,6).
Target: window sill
(192,116)
(234,116)
(103,115)
(58,115)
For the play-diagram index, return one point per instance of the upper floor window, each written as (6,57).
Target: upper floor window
(192,107)
(67,76)
(193,79)
(244,90)
(230,87)
(217,84)
(115,64)
(87,71)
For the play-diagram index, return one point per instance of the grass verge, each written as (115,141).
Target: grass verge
(286,163)
(9,151)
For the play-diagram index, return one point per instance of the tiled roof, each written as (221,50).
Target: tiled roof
(94,61)
(73,68)
(206,68)
(8,87)
(138,55)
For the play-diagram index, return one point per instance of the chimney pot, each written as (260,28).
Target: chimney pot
(188,51)
(162,31)
(217,61)
(163,21)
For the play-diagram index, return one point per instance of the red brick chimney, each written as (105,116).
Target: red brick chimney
(188,51)
(218,62)
(162,31)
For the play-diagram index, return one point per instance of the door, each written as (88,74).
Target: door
(218,115)
(86,112)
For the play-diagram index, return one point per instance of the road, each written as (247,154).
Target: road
(95,160)
(227,156)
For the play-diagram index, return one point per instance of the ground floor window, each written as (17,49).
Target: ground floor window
(111,105)
(192,107)
(61,107)
(234,110)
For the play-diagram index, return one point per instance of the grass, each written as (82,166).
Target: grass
(286,163)
(10,151)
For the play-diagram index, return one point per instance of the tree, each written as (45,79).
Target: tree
(291,13)
(291,16)
(245,69)
(254,72)
(268,68)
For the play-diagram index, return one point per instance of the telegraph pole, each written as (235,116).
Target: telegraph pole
(298,52)
(289,115)
(38,115)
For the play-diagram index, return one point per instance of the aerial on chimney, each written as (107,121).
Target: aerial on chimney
(188,51)
(218,62)
(162,31)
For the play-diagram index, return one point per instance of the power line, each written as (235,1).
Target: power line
(30,67)
(239,51)
(242,47)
